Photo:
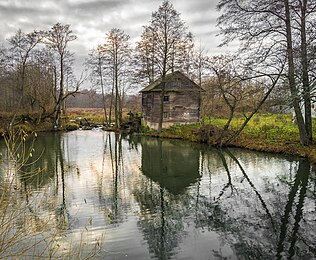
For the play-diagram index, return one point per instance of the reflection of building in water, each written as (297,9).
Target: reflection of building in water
(172,164)
(168,167)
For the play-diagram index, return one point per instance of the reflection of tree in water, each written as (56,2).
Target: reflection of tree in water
(63,217)
(41,166)
(111,194)
(170,167)
(38,206)
(290,225)
(162,218)
(47,167)
(249,221)
(255,218)
(52,154)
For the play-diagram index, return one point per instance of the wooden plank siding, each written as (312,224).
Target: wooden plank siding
(181,104)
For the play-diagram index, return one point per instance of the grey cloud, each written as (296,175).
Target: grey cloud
(90,20)
(96,5)
(202,7)
(210,22)
(7,11)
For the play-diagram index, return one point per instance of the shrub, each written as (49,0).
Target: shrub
(71,126)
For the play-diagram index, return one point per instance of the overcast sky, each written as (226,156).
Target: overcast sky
(90,20)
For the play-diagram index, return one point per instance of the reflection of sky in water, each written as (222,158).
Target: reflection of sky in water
(90,191)
(134,194)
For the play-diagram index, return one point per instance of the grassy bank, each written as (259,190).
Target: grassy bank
(72,120)
(265,132)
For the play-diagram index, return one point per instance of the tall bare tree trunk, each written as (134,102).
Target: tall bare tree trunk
(163,78)
(102,90)
(121,102)
(305,79)
(111,102)
(60,94)
(117,94)
(291,75)
(19,105)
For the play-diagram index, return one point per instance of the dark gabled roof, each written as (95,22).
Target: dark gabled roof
(177,75)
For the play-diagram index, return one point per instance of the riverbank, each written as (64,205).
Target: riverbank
(72,120)
(265,133)
(244,141)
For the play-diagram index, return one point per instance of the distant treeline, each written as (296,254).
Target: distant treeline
(92,99)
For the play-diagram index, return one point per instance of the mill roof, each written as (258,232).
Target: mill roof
(186,83)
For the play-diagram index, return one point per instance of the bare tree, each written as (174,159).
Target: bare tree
(145,56)
(95,63)
(160,44)
(33,93)
(117,53)
(6,72)
(277,27)
(186,53)
(22,45)
(201,62)
(58,39)
(40,82)
(240,85)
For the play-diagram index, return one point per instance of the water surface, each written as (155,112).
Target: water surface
(145,198)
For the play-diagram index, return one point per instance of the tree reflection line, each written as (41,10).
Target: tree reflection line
(264,205)
(117,167)
(115,151)
(63,215)
(161,207)
(229,183)
(301,180)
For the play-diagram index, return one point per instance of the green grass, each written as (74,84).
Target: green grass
(270,127)
(264,132)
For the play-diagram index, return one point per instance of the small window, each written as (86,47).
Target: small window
(165,98)
(165,114)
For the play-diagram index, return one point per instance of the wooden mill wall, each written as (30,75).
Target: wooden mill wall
(181,106)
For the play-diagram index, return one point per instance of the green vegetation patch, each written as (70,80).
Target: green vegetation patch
(71,126)
(269,127)
(265,132)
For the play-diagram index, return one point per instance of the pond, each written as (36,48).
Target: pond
(109,196)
